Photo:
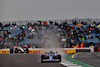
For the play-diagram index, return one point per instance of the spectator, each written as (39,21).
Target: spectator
(77,45)
(81,45)
(9,36)
(95,48)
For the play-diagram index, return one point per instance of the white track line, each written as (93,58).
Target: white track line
(68,63)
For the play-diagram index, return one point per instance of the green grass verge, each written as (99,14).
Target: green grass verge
(69,58)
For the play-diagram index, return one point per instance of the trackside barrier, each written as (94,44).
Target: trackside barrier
(41,50)
(4,51)
(45,50)
(90,49)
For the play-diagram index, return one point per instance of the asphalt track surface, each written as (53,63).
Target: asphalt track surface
(24,60)
(89,58)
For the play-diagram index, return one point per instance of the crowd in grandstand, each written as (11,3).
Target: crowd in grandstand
(42,33)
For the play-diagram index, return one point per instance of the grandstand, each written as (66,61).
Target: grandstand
(59,33)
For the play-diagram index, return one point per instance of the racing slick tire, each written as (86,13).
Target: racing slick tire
(42,58)
(11,50)
(16,50)
(27,51)
(59,57)
(41,61)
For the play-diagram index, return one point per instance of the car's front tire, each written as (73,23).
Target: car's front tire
(16,50)
(42,58)
(41,61)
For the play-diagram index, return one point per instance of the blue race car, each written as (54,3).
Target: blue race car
(50,57)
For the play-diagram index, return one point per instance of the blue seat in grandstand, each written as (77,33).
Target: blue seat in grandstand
(88,23)
(88,40)
(71,24)
(93,40)
(25,39)
(34,41)
(14,31)
(1,34)
(29,41)
(6,28)
(96,40)
(2,41)
(84,26)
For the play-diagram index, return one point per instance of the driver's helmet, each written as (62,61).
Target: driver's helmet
(50,51)
(18,45)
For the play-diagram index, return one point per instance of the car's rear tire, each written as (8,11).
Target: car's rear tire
(59,56)
(41,61)
(11,50)
(27,51)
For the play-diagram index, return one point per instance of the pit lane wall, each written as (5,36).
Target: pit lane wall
(65,50)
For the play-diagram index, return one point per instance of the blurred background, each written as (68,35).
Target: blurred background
(48,9)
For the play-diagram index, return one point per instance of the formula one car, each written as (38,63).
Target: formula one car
(17,49)
(50,57)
